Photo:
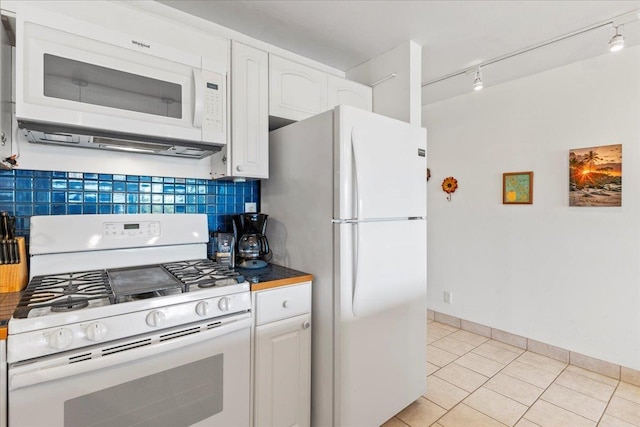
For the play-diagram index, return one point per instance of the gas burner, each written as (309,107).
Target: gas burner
(203,273)
(69,304)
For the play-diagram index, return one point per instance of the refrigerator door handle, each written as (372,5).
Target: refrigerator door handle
(356,268)
(356,174)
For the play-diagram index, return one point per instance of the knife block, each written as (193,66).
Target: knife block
(13,277)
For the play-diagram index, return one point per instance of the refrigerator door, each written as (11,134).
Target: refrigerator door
(381,167)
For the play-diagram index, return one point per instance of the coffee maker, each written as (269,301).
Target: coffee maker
(252,247)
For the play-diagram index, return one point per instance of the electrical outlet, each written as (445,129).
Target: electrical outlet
(250,207)
(448,297)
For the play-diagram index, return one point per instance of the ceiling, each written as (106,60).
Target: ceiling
(454,35)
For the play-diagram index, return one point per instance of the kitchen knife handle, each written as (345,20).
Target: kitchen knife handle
(5,252)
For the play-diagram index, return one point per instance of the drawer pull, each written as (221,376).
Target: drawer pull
(306,325)
(285,303)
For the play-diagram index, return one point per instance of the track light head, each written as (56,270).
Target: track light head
(477,82)
(617,41)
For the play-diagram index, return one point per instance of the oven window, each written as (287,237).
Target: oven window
(91,84)
(177,397)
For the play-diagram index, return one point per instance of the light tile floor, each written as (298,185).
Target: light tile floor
(474,381)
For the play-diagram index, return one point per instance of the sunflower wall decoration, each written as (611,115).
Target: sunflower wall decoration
(449,185)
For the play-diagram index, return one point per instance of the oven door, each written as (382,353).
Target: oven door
(197,375)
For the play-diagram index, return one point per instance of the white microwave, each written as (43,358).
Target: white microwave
(80,85)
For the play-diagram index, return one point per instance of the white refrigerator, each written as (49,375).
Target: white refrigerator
(346,199)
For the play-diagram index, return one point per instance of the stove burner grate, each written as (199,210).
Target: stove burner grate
(69,304)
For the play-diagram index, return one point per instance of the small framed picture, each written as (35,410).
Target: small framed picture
(517,188)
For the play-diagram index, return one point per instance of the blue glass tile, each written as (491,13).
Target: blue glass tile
(181,209)
(6,196)
(156,179)
(24,210)
(200,200)
(191,189)
(168,188)
(202,189)
(42,183)
(200,181)
(211,189)
(6,207)
(104,197)
(145,187)
(132,197)
(190,181)
(169,209)
(231,191)
(46,174)
(156,209)
(90,176)
(24,183)
(41,210)
(132,187)
(104,209)
(191,199)
(211,200)
(169,180)
(156,188)
(24,196)
(24,172)
(119,186)
(168,198)
(200,208)
(59,196)
(145,208)
(59,174)
(91,198)
(119,198)
(181,188)
(74,209)
(7,183)
(133,178)
(211,209)
(91,186)
(75,184)
(43,196)
(145,198)
(180,198)
(76,175)
(191,208)
(157,198)
(180,180)
(118,209)
(22,223)
(105,186)
(220,199)
(90,209)
(105,176)
(119,177)
(59,184)
(145,179)
(222,189)
(74,197)
(131,209)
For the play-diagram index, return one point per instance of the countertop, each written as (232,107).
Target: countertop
(8,302)
(273,276)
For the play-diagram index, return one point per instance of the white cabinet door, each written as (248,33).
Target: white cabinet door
(248,154)
(283,373)
(295,90)
(346,92)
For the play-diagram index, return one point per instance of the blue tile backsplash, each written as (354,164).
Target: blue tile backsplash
(24,193)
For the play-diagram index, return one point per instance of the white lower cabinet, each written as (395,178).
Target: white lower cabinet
(282,357)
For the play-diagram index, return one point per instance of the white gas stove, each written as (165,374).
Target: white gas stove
(117,303)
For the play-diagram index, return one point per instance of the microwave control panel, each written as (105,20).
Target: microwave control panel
(127,230)
(213,115)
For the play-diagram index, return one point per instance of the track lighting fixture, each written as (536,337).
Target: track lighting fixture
(477,82)
(617,41)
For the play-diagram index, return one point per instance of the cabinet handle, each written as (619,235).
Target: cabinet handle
(240,168)
(285,303)
(306,325)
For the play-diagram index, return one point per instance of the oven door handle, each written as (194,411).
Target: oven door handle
(36,373)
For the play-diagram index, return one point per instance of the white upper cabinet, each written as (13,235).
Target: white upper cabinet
(248,153)
(295,90)
(347,92)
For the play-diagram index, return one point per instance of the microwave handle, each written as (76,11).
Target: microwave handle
(198,100)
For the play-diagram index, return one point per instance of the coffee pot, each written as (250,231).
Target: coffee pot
(252,249)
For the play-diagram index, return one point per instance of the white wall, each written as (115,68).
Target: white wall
(567,276)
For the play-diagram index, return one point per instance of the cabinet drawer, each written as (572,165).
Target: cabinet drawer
(281,303)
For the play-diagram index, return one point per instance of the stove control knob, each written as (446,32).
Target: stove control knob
(224,304)
(155,318)
(96,331)
(60,339)
(202,308)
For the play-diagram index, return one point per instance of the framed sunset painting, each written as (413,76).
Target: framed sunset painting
(595,176)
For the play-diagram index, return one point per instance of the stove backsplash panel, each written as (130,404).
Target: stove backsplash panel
(24,193)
